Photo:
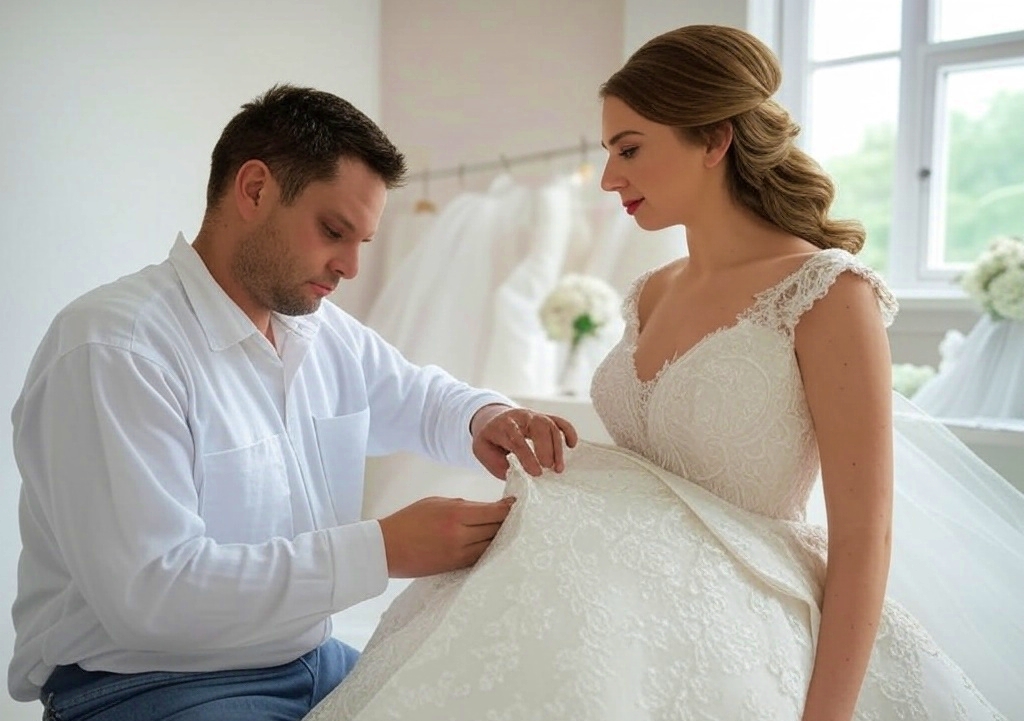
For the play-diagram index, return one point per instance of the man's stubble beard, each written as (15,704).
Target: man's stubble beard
(264,265)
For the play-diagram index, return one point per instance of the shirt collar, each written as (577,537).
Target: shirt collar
(221,319)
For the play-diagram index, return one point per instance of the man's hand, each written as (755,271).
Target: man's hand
(435,535)
(499,430)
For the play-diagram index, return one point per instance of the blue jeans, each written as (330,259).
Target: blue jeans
(279,693)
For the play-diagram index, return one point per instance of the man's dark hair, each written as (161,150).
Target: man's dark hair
(301,134)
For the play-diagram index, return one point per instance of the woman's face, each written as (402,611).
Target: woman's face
(660,177)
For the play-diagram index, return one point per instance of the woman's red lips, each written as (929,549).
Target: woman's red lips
(632,205)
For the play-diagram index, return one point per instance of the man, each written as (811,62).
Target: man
(192,439)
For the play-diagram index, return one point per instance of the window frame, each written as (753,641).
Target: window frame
(923,65)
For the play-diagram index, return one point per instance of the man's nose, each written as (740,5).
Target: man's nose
(346,263)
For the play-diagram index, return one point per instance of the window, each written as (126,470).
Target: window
(916,108)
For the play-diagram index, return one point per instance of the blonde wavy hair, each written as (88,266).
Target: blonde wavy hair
(697,77)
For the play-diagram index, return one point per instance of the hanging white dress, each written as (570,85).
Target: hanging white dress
(402,230)
(520,359)
(674,575)
(436,308)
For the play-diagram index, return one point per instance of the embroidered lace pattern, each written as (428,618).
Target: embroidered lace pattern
(669,577)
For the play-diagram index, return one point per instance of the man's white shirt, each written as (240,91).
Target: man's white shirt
(191,494)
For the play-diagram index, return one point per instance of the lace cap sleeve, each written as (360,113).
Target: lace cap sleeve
(783,305)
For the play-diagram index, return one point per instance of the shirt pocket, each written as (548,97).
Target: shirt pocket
(245,497)
(341,442)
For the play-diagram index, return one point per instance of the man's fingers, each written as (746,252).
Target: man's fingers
(547,443)
(498,468)
(568,431)
(482,532)
(475,513)
(527,457)
(494,458)
(433,534)
(548,434)
(471,553)
(536,439)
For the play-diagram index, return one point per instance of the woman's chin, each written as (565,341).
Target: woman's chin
(651,224)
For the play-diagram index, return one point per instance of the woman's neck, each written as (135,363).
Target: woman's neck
(727,235)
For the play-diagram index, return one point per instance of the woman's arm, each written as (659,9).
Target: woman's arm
(844,360)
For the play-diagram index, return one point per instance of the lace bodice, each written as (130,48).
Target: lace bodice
(758,453)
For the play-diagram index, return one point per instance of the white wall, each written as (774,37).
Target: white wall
(108,113)
(464,81)
(643,19)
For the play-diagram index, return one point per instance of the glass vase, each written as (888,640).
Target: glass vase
(573,378)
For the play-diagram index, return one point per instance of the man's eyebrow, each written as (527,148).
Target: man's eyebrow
(342,219)
(619,136)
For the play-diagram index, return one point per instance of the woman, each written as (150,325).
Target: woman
(673,576)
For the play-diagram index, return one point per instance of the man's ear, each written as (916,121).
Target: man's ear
(718,141)
(252,188)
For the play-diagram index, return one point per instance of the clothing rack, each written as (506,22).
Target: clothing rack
(583,149)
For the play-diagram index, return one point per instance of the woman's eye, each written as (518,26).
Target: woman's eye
(627,153)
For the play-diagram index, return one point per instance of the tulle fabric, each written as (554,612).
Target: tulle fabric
(958,553)
(985,381)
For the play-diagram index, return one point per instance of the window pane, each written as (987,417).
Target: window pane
(843,29)
(853,111)
(956,19)
(980,178)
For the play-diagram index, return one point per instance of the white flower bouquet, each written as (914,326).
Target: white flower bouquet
(908,378)
(996,280)
(578,306)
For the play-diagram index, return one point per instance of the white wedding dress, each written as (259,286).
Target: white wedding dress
(672,576)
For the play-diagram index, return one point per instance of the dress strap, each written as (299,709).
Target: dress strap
(631,301)
(781,306)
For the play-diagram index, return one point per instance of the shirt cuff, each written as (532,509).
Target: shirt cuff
(360,563)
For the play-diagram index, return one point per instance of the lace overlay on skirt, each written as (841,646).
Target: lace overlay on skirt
(672,576)
(619,591)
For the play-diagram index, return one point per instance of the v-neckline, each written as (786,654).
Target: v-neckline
(634,322)
(678,359)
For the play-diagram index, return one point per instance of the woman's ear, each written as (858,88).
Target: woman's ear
(718,141)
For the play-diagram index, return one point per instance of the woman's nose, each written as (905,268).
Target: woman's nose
(610,180)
